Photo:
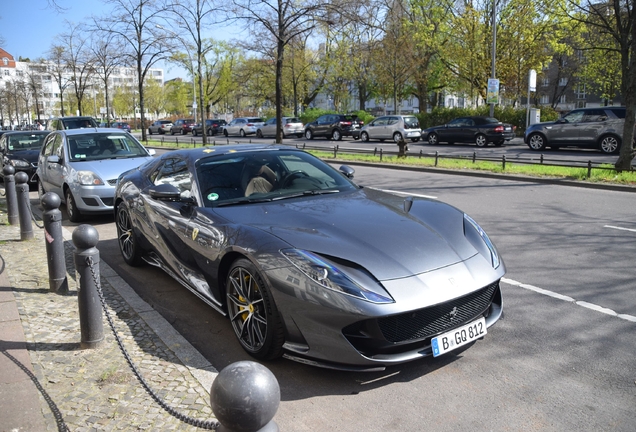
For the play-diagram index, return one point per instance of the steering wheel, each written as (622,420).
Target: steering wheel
(287,180)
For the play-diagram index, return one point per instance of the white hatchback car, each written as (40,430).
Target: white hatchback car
(243,126)
(392,127)
(291,126)
(82,167)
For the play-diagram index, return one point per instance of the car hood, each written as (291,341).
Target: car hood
(27,155)
(110,169)
(367,227)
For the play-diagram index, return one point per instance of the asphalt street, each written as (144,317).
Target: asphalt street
(561,359)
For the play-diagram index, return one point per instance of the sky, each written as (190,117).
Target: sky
(29,27)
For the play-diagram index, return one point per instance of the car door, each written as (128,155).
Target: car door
(566,130)
(376,128)
(269,128)
(454,131)
(594,122)
(52,165)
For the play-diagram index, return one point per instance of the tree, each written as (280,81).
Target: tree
(107,56)
(136,23)
(77,57)
(34,86)
(284,20)
(56,57)
(614,18)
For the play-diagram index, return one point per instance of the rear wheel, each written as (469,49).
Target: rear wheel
(74,215)
(336,135)
(194,132)
(397,137)
(481,140)
(128,243)
(183,132)
(253,313)
(536,142)
(610,144)
(242,133)
(499,143)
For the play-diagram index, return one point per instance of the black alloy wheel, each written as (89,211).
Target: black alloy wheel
(481,140)
(536,142)
(128,243)
(433,138)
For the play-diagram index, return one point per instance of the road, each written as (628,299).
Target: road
(513,150)
(562,358)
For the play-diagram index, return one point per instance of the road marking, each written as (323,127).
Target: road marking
(558,296)
(619,228)
(404,193)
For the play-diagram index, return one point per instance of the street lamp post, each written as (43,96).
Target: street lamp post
(494,48)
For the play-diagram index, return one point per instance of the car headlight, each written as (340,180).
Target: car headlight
(88,178)
(485,240)
(330,277)
(19,163)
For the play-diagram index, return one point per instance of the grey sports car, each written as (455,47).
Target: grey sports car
(307,264)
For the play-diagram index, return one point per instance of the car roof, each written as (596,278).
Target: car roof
(202,152)
(30,132)
(91,130)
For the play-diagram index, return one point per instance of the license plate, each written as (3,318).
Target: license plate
(458,337)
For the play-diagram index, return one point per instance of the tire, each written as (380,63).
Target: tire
(336,135)
(194,132)
(481,140)
(259,134)
(183,132)
(609,144)
(210,133)
(149,131)
(415,139)
(397,137)
(74,215)
(364,137)
(499,143)
(128,242)
(536,142)
(225,132)
(433,138)
(41,190)
(253,313)
(171,131)
(242,133)
(309,134)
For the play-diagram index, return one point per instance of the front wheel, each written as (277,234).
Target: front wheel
(128,243)
(253,313)
(171,131)
(194,132)
(481,140)
(149,131)
(610,144)
(225,132)
(364,137)
(259,133)
(74,215)
(309,134)
(183,132)
(242,133)
(433,138)
(536,142)
(41,190)
(336,135)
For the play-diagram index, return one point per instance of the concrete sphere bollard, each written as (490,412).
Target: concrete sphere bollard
(245,397)
(24,205)
(12,198)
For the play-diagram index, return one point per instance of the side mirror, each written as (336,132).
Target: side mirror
(168,192)
(151,152)
(53,159)
(347,171)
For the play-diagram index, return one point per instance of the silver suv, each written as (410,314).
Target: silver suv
(600,128)
(394,127)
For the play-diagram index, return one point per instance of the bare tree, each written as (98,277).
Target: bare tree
(285,20)
(137,24)
(79,61)
(57,65)
(107,55)
(34,85)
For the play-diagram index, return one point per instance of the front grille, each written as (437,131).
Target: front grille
(427,322)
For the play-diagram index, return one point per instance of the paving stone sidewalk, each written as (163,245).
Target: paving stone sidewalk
(95,389)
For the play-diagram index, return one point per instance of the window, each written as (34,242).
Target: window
(545,99)
(580,91)
(545,82)
(174,172)
(562,99)
(5,61)
(563,81)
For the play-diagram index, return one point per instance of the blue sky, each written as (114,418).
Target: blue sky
(29,27)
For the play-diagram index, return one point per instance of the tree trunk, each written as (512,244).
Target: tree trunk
(627,153)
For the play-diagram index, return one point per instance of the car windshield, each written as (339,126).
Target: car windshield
(258,176)
(292,120)
(79,123)
(25,142)
(97,146)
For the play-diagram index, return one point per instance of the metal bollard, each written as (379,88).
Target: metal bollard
(54,241)
(24,205)
(86,257)
(9,189)
(245,397)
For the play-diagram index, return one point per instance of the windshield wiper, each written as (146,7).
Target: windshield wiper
(243,201)
(307,193)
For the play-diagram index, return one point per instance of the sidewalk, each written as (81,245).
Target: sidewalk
(47,382)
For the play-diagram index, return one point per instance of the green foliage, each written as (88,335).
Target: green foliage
(364,116)
(312,114)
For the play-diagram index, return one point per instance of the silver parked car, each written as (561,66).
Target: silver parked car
(82,167)
(393,127)
(243,126)
(291,126)
(160,127)
(600,128)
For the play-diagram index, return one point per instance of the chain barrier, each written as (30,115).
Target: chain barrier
(35,221)
(204,424)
